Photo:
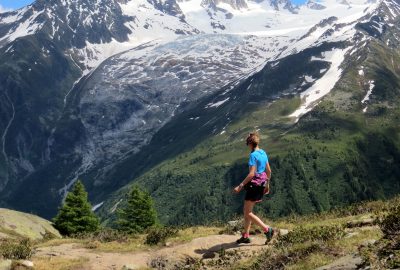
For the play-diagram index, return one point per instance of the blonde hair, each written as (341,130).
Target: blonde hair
(253,139)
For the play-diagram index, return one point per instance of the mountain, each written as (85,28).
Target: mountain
(324,153)
(119,91)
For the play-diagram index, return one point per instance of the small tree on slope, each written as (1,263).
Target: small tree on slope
(76,215)
(138,214)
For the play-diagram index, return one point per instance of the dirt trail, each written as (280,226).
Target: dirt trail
(198,248)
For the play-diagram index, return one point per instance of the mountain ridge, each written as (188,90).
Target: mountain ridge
(119,79)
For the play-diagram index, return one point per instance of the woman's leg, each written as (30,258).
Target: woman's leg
(258,221)
(251,217)
(247,210)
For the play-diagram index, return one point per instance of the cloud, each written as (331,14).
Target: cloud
(3,9)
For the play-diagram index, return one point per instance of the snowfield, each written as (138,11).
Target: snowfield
(324,85)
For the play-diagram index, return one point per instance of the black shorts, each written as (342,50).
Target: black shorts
(254,193)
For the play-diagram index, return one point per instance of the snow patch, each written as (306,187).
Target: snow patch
(97,206)
(217,104)
(309,79)
(371,88)
(324,85)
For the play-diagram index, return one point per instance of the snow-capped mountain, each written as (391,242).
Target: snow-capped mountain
(92,30)
(87,84)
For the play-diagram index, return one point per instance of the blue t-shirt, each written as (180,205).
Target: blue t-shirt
(259,159)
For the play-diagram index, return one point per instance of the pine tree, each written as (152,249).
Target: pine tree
(138,214)
(76,215)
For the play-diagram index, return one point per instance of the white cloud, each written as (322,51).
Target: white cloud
(3,9)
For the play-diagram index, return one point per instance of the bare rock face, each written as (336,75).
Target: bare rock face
(283,4)
(315,5)
(236,4)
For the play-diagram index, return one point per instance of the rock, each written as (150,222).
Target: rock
(283,232)
(349,262)
(167,244)
(360,223)
(5,264)
(234,223)
(27,264)
(369,242)
(351,234)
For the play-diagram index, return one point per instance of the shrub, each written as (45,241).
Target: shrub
(92,244)
(272,259)
(104,235)
(16,249)
(390,225)
(301,235)
(158,235)
(385,253)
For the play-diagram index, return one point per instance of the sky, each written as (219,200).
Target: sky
(14,4)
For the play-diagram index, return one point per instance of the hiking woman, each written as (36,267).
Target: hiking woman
(256,185)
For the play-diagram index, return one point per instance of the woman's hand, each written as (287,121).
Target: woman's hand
(238,189)
(266,189)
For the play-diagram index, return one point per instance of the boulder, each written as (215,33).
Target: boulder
(283,232)
(22,265)
(235,225)
(27,264)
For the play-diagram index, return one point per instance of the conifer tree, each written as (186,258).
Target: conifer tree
(76,215)
(138,214)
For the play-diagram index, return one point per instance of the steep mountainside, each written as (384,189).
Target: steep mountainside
(87,85)
(344,149)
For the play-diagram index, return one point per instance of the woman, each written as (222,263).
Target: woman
(256,185)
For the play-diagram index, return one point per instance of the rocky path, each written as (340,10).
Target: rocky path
(204,247)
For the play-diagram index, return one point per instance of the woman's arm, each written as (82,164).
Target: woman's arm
(268,171)
(252,172)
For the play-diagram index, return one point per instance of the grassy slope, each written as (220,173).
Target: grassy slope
(18,224)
